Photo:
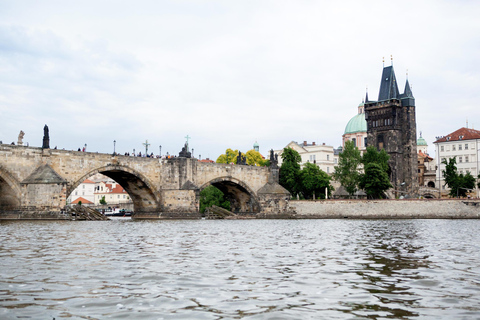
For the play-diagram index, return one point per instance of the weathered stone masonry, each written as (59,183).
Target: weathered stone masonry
(35,182)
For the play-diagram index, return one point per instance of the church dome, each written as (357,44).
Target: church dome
(356,124)
(421,142)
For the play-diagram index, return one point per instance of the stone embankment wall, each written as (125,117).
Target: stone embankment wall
(386,209)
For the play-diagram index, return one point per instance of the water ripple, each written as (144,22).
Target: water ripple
(253,269)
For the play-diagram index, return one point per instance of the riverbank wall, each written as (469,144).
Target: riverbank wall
(386,209)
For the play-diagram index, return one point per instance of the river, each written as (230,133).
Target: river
(240,269)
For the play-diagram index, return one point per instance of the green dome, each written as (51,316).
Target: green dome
(356,124)
(421,142)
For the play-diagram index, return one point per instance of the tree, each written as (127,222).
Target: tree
(254,158)
(372,155)
(374,181)
(290,171)
(347,170)
(102,201)
(230,156)
(459,184)
(212,196)
(314,181)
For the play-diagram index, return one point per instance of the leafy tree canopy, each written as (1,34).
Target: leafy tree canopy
(102,201)
(314,181)
(212,196)
(459,184)
(347,170)
(230,156)
(372,155)
(254,158)
(290,170)
(375,180)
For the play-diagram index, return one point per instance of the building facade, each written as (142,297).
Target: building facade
(391,125)
(463,144)
(322,155)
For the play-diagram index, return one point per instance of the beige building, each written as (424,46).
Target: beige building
(464,145)
(320,154)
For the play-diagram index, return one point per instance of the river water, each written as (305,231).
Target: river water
(240,269)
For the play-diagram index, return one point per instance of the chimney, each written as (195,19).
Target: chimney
(313,143)
(304,143)
(323,144)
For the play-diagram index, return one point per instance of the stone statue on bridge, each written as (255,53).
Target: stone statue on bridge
(241,159)
(185,153)
(46,138)
(273,159)
(20,138)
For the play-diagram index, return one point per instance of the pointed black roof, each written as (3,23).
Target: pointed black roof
(388,85)
(408,91)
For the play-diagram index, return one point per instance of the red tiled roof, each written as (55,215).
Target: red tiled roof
(87,181)
(460,135)
(84,201)
(424,155)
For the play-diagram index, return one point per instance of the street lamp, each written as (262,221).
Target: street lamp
(114,142)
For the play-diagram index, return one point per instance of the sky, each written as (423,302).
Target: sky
(228,73)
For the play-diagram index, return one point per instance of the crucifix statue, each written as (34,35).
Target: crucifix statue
(146,144)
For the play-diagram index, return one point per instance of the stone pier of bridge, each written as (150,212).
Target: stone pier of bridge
(35,183)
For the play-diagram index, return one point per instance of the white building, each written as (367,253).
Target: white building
(84,192)
(321,155)
(464,145)
(112,191)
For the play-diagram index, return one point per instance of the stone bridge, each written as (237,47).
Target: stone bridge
(35,183)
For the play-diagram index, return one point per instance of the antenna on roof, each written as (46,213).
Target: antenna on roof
(391,59)
(383,61)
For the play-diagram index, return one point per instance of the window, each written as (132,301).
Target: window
(442,148)
(118,196)
(365,142)
(336,160)
(466,146)
(453,147)
(354,142)
(328,169)
(459,159)
(466,158)
(328,157)
(83,186)
(459,147)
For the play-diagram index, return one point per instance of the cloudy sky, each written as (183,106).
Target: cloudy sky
(228,73)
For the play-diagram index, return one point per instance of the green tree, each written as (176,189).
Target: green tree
(290,171)
(314,181)
(102,201)
(254,158)
(374,181)
(372,155)
(459,184)
(230,156)
(212,196)
(347,170)
(79,203)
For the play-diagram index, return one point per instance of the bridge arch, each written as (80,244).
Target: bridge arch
(144,195)
(242,198)
(10,192)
